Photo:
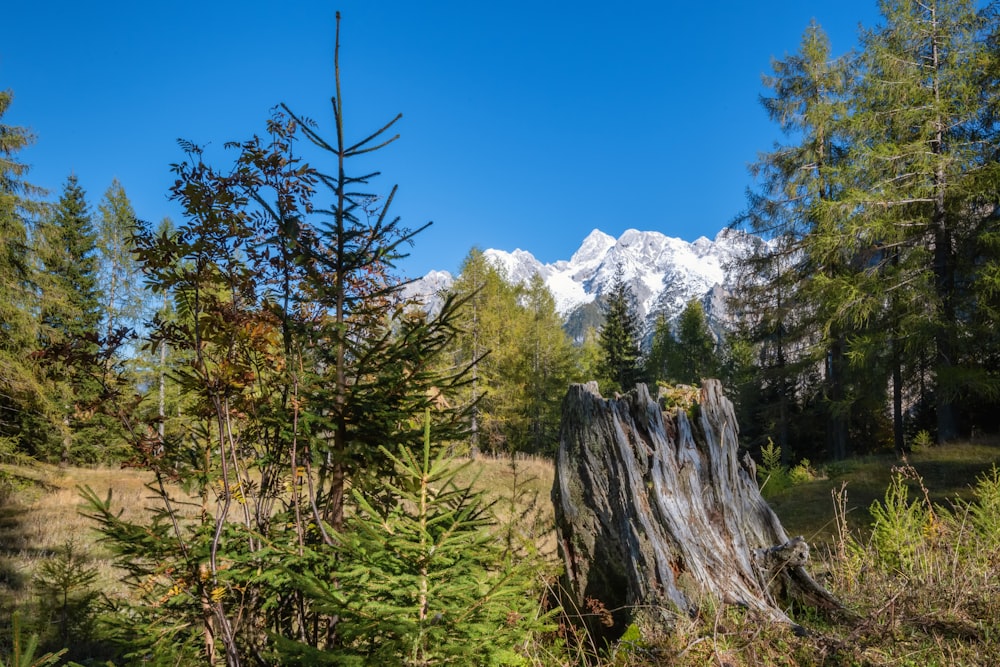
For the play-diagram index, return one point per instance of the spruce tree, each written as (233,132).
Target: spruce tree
(66,248)
(70,315)
(621,362)
(422,578)
(689,356)
(659,349)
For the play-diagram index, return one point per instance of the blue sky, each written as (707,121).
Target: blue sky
(525,124)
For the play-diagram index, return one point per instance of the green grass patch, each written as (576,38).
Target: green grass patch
(949,471)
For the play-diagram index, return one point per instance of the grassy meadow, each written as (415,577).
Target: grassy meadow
(924,582)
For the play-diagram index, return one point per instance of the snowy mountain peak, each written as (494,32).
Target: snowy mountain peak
(664,273)
(518,266)
(593,248)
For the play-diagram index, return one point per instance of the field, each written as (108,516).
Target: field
(948,471)
(939,606)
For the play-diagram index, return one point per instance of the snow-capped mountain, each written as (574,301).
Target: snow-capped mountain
(664,273)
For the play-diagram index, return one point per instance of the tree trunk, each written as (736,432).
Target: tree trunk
(656,512)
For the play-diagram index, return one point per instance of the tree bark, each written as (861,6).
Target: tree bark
(656,512)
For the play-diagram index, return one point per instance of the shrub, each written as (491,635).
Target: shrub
(898,530)
(922,440)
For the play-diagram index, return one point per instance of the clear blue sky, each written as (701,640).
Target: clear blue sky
(526,124)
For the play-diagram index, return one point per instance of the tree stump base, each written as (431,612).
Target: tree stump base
(656,511)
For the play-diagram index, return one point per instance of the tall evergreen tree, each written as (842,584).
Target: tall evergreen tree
(912,208)
(66,248)
(779,293)
(69,312)
(660,349)
(689,356)
(621,361)
(20,205)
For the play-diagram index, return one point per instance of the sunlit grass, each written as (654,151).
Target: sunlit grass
(931,616)
(520,488)
(45,514)
(949,471)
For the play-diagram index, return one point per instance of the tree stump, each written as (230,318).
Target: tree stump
(656,511)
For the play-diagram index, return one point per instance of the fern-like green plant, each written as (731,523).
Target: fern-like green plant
(899,527)
(773,473)
(423,577)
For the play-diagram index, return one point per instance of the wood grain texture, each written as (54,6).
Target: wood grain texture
(656,510)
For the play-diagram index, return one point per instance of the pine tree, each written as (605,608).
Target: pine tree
(660,349)
(621,365)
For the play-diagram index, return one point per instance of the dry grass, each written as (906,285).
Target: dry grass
(520,488)
(44,513)
(944,611)
(37,522)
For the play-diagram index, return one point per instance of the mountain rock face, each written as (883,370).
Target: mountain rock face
(664,273)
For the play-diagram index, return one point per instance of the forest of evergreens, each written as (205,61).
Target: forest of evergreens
(871,315)
(298,418)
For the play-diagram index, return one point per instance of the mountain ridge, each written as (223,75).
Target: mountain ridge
(664,272)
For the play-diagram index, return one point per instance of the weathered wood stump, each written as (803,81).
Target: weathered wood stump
(656,511)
